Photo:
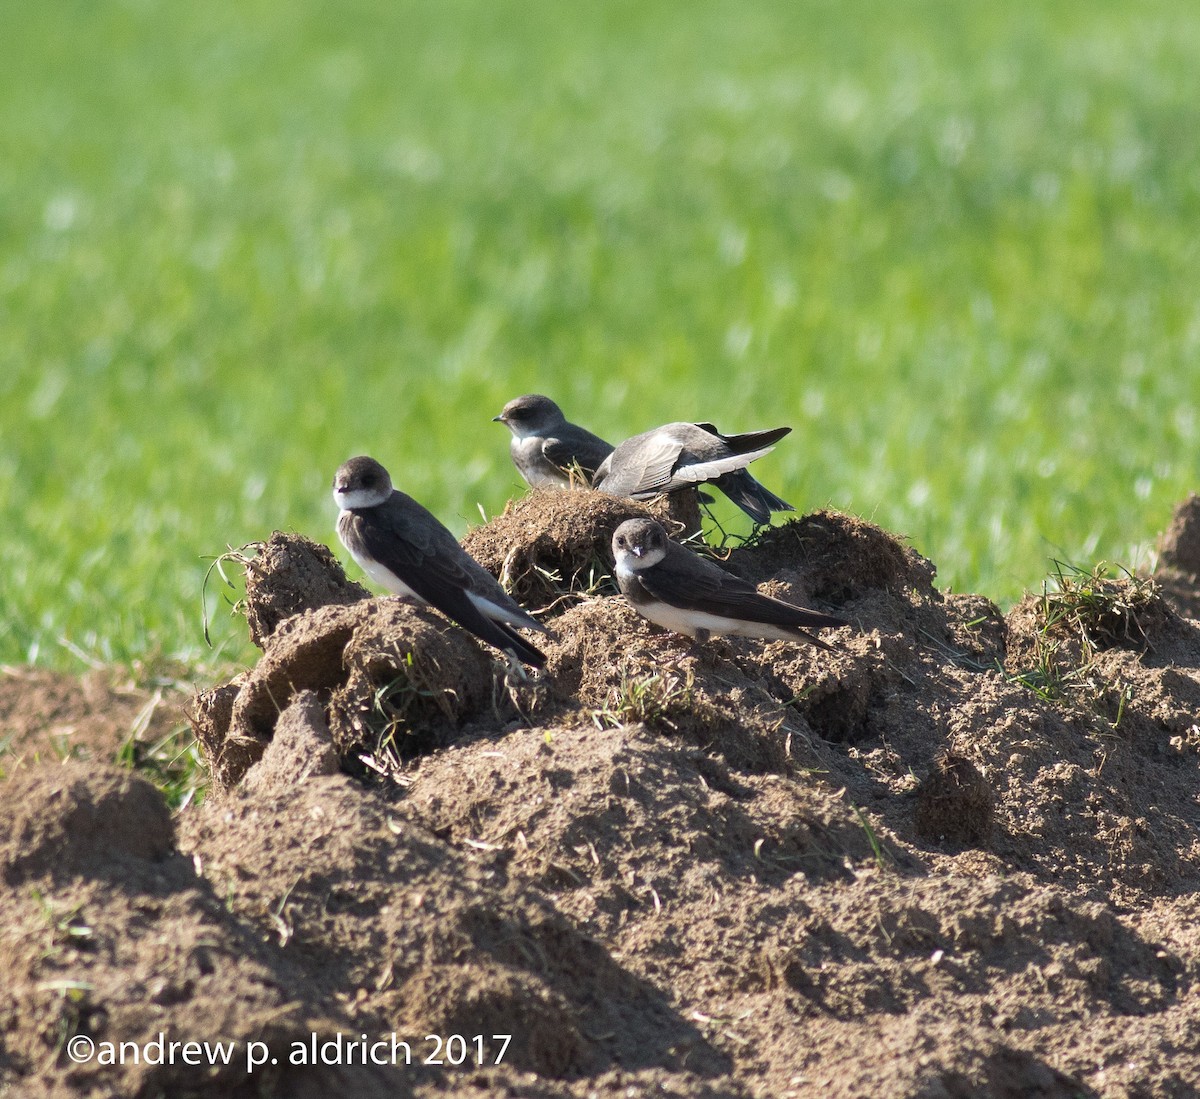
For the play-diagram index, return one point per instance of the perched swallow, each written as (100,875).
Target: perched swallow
(403,547)
(681,591)
(545,445)
(683,455)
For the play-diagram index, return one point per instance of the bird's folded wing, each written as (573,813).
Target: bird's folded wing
(429,560)
(694,583)
(563,453)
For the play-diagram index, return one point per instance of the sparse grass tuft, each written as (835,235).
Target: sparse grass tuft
(1081,613)
(386,759)
(65,923)
(390,710)
(173,763)
(653,700)
(1102,606)
(397,736)
(591,581)
(244,559)
(883,857)
(394,701)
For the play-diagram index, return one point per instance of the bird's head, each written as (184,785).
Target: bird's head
(639,544)
(531,414)
(361,483)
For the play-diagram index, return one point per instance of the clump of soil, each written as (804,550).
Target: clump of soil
(843,557)
(932,862)
(553,547)
(387,672)
(289,574)
(409,682)
(1060,633)
(77,824)
(954,803)
(1178,572)
(1179,546)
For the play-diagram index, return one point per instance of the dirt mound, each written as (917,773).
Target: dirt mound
(609,667)
(1179,547)
(394,677)
(454,948)
(842,557)
(618,823)
(955,803)
(108,937)
(69,824)
(1123,659)
(960,855)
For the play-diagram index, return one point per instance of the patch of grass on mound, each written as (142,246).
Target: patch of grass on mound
(1058,636)
(174,763)
(1103,606)
(652,699)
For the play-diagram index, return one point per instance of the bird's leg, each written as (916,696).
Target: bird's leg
(523,690)
(514,671)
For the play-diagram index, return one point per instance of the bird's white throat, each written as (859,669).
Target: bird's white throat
(348,499)
(522,431)
(629,563)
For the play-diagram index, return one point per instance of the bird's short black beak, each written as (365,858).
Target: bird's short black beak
(497,419)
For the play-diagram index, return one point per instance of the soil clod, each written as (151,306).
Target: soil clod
(955,803)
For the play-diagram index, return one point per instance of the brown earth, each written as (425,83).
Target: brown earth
(957,857)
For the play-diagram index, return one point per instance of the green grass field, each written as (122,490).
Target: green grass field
(957,248)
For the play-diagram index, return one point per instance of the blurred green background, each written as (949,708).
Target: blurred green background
(955,245)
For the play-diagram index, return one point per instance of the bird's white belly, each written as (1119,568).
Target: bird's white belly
(385,578)
(537,470)
(543,478)
(691,622)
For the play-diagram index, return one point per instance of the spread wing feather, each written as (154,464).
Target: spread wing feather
(679,455)
(754,440)
(719,467)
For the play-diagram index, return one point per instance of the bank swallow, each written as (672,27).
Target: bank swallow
(683,455)
(545,445)
(681,591)
(403,547)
